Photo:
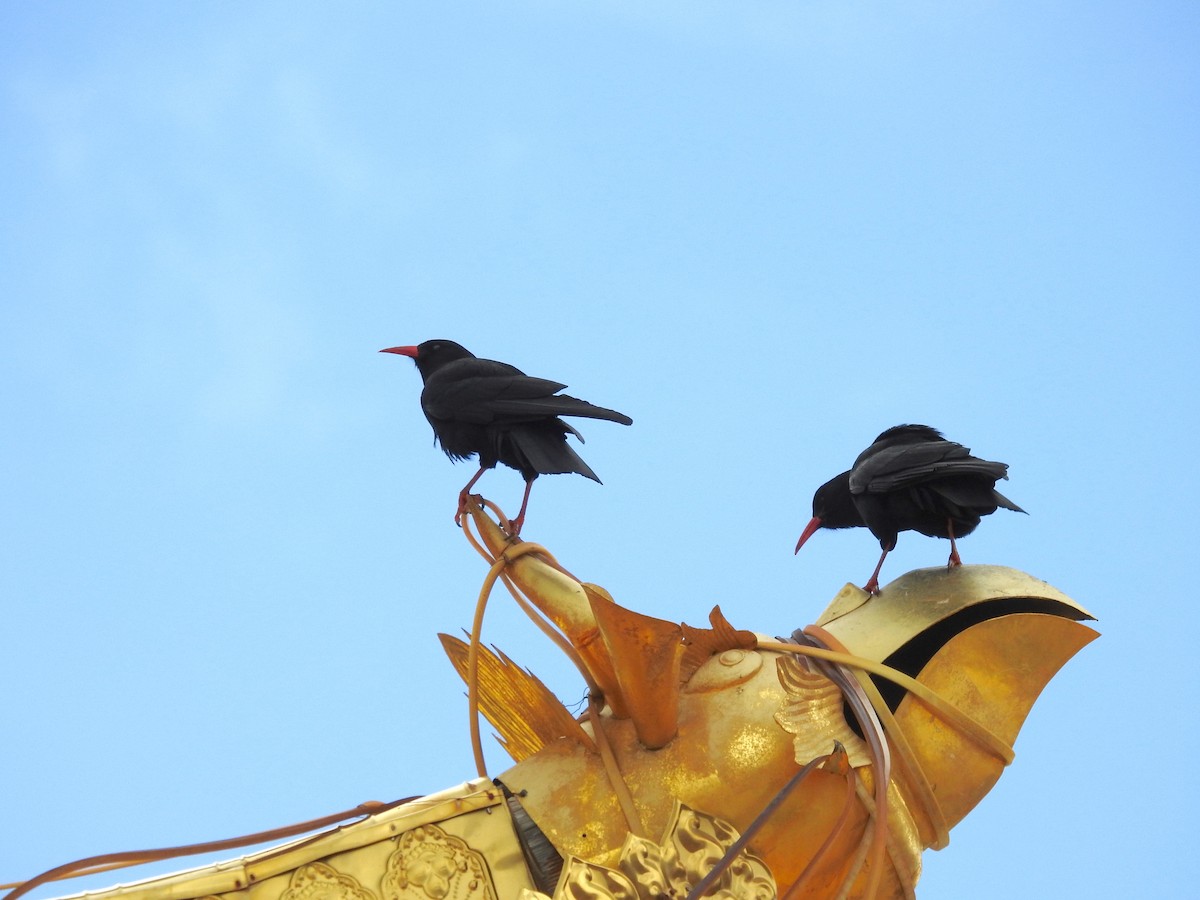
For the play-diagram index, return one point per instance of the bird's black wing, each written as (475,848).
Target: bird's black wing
(485,400)
(894,468)
(485,392)
(514,407)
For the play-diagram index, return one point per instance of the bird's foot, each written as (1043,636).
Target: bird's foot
(872,585)
(955,560)
(513,526)
(462,508)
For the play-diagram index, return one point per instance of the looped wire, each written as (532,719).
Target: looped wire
(497,570)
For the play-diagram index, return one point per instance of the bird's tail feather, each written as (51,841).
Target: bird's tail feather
(972,497)
(1004,502)
(548,454)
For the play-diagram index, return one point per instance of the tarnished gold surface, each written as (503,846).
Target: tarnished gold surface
(646,654)
(729,759)
(741,734)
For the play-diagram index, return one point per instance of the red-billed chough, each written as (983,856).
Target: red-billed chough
(494,410)
(910,479)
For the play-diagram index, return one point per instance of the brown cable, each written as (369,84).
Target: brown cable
(93,864)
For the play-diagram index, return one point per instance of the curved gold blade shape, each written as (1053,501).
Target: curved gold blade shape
(646,654)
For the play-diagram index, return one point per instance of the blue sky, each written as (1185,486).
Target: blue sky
(765,231)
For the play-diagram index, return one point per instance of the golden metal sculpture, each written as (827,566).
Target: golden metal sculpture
(709,756)
(691,846)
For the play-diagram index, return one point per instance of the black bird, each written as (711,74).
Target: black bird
(494,410)
(910,479)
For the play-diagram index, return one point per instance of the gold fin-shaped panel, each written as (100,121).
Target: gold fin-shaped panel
(646,653)
(519,706)
(701,643)
(813,714)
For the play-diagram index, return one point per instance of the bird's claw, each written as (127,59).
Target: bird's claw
(955,560)
(463,499)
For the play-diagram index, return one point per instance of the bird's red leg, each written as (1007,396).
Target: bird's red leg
(955,559)
(872,586)
(514,525)
(463,494)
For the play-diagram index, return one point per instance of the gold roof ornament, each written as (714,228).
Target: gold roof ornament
(711,761)
(946,663)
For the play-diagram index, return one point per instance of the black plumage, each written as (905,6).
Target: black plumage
(910,479)
(480,407)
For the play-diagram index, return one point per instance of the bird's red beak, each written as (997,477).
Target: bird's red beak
(808,532)
(403,351)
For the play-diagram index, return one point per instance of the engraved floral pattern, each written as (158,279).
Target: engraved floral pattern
(317,881)
(431,864)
